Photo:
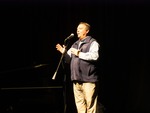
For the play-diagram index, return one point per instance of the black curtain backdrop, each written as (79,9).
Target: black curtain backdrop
(31,29)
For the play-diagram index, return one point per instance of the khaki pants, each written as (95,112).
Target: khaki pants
(85,97)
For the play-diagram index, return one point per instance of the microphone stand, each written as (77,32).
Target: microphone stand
(54,76)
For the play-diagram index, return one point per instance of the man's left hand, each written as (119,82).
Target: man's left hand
(75,51)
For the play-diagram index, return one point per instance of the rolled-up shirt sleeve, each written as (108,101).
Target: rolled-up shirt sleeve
(93,53)
(69,52)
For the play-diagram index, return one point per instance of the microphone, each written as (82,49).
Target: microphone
(69,37)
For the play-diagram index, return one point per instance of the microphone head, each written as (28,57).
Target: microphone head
(69,37)
(72,35)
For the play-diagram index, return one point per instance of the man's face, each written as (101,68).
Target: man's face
(82,31)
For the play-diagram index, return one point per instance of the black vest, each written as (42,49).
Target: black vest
(83,70)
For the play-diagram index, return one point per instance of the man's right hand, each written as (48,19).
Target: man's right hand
(60,48)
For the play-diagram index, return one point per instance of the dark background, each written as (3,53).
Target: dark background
(31,29)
